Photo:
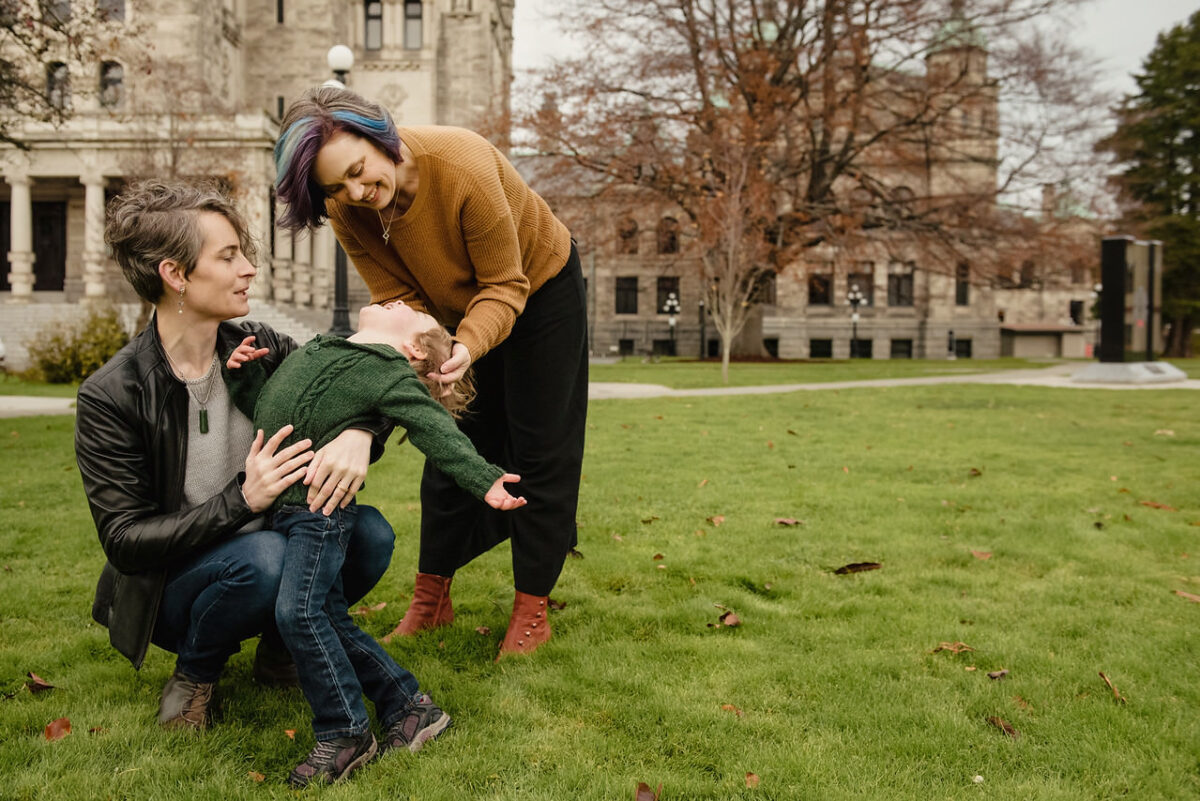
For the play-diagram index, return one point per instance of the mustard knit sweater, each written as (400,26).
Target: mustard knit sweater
(473,246)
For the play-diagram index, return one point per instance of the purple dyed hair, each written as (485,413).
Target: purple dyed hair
(310,122)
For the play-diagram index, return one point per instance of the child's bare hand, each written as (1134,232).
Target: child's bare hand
(498,498)
(245,352)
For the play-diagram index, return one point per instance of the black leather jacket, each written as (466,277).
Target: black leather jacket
(131,440)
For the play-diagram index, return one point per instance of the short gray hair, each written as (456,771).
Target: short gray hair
(156,220)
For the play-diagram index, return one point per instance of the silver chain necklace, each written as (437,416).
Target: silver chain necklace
(387,229)
(208,378)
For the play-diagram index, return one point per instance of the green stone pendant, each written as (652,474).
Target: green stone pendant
(204,421)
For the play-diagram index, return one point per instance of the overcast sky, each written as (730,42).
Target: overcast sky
(1121,32)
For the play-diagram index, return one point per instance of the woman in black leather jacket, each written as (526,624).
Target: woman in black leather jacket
(176,477)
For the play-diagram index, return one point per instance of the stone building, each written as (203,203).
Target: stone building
(916,302)
(196,88)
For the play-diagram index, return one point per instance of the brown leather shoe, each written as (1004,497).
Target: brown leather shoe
(430,607)
(528,627)
(186,704)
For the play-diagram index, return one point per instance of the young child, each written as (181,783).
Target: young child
(322,388)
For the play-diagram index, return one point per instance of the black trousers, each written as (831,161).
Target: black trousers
(529,417)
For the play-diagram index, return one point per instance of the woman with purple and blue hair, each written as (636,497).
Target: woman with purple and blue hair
(438,218)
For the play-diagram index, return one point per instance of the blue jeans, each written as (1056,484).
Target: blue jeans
(227,593)
(337,661)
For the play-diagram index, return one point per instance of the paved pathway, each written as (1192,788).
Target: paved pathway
(1056,376)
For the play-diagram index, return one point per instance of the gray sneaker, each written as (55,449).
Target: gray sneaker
(333,760)
(186,704)
(422,723)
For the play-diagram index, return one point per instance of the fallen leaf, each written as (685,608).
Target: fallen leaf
(650,519)
(1127,444)
(1157,505)
(857,567)
(1099,525)
(788,521)
(558,605)
(97,730)
(716,520)
(658,557)
(58,729)
(37,684)
(751,780)
(484,630)
(1120,698)
(793,433)
(644,793)
(952,647)
(1021,702)
(982,554)
(441,645)
(702,483)
(1164,432)
(733,709)
(255,776)
(998,674)
(730,619)
(618,538)
(366,610)
(291,733)
(970,668)
(1193,523)
(661,567)
(1004,726)
(8,569)
(770,445)
(1189,596)
(974,472)
(845,469)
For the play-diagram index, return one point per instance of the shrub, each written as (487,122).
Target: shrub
(62,354)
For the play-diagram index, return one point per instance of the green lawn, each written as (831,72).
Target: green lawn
(829,689)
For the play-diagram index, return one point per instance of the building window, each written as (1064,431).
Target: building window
(1028,274)
(625,347)
(279,12)
(58,86)
(861,348)
(1079,273)
(280,107)
(962,348)
(1075,309)
(373,32)
(668,285)
(114,10)
(864,281)
(627,295)
(412,25)
(668,235)
(112,85)
(820,288)
(764,288)
(627,239)
(771,345)
(962,285)
(820,349)
(56,10)
(901,349)
(900,284)
(903,201)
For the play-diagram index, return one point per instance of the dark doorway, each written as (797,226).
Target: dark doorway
(49,247)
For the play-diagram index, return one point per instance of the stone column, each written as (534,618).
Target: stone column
(93,236)
(256,205)
(20,256)
(281,266)
(322,266)
(302,269)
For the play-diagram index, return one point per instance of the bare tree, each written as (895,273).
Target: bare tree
(783,126)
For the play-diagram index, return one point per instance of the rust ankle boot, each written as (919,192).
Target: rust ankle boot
(528,627)
(430,606)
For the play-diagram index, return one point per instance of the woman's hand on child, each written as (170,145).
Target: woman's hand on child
(455,367)
(270,471)
(498,498)
(338,470)
(245,352)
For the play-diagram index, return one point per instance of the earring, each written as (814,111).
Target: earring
(182,289)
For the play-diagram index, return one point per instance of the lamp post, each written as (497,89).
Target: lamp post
(340,59)
(671,307)
(855,298)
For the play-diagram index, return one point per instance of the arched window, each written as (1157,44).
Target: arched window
(627,236)
(412,25)
(373,22)
(112,85)
(58,85)
(668,235)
